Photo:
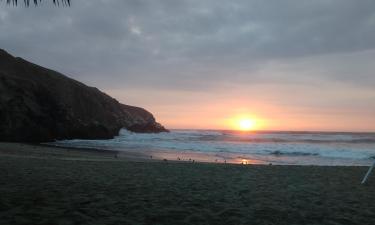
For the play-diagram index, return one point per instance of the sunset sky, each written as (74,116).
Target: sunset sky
(290,65)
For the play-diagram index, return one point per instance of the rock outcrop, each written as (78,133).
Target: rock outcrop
(38,104)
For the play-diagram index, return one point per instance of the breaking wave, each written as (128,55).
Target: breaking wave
(353,146)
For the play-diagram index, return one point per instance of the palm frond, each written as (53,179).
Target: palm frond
(36,2)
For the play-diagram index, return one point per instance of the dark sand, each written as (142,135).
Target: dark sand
(53,186)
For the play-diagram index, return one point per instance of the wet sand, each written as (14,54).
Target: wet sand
(48,185)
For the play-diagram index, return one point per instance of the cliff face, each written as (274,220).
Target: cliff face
(38,104)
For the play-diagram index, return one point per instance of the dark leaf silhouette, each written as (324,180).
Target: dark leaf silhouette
(36,2)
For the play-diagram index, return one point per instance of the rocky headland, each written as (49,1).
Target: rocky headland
(38,105)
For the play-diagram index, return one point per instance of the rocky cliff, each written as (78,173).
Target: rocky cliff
(38,104)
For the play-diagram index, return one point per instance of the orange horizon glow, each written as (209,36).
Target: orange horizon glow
(197,111)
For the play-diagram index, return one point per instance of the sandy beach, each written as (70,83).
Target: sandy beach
(49,185)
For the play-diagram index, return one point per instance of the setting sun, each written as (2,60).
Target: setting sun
(246,124)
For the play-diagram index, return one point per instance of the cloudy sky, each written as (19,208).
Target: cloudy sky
(291,64)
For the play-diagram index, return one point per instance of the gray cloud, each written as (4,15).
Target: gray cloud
(196,44)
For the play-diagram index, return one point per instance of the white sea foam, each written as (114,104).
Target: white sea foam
(279,144)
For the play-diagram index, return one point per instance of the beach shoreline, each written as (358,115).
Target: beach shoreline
(43,150)
(299,148)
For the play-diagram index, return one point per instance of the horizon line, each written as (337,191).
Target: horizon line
(281,131)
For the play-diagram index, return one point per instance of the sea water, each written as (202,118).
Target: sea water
(264,147)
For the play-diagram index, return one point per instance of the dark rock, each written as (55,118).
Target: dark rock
(142,120)
(38,104)
(151,127)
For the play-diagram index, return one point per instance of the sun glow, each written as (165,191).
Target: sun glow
(245,123)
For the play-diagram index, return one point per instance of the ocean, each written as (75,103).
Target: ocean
(257,147)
